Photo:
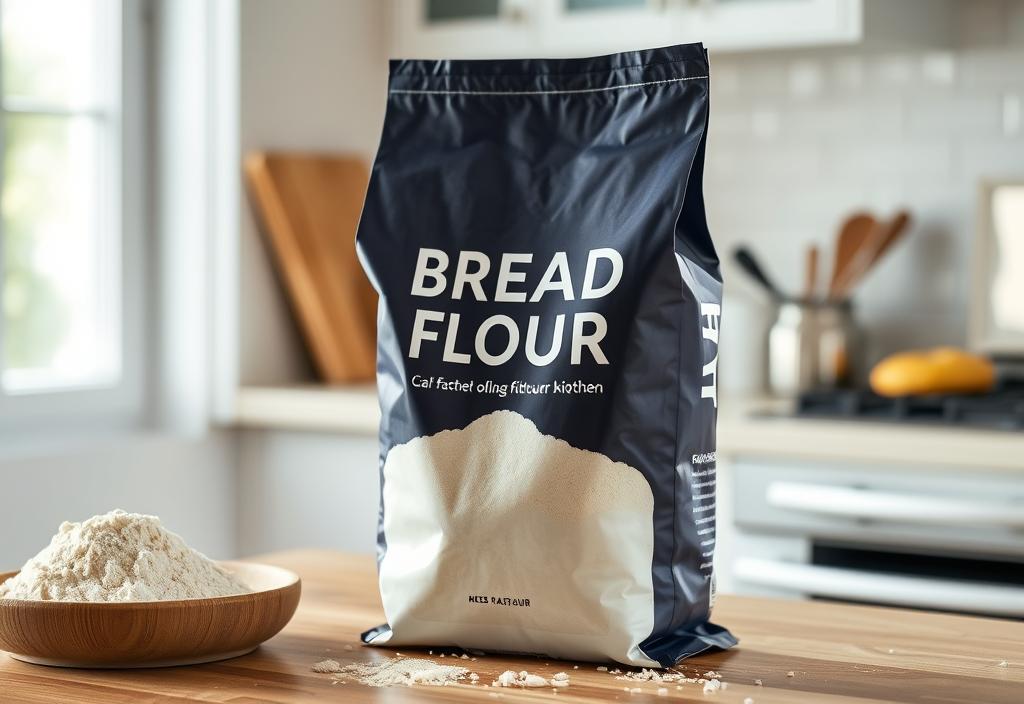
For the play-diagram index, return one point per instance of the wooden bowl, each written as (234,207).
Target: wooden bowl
(151,633)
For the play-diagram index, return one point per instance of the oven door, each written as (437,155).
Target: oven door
(866,575)
(949,542)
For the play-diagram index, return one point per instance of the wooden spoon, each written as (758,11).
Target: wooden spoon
(853,235)
(811,272)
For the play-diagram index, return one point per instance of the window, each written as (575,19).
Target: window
(66,219)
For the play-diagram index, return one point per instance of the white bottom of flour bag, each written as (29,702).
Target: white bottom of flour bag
(502,538)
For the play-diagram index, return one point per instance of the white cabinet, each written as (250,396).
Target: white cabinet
(582,26)
(429,29)
(757,24)
(523,28)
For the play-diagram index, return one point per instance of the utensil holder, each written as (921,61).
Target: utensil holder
(812,345)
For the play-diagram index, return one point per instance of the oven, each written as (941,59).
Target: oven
(938,540)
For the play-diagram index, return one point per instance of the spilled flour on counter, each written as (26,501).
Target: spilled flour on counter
(510,678)
(119,557)
(407,671)
(326,666)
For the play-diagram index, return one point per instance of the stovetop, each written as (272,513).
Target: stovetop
(1001,409)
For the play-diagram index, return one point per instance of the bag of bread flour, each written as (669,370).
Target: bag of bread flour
(547,356)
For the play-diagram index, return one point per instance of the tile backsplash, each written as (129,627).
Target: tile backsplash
(800,140)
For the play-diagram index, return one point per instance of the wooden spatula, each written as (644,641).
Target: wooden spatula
(881,240)
(852,237)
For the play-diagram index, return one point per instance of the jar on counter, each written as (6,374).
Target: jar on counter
(812,345)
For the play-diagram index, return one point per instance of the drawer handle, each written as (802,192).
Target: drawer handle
(893,507)
(897,590)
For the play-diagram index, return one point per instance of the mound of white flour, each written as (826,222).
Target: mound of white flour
(500,537)
(119,557)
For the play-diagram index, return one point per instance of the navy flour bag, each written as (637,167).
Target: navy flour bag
(547,356)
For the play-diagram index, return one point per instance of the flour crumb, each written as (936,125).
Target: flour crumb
(508,678)
(119,556)
(712,686)
(327,666)
(662,691)
(406,671)
(664,676)
(759,683)
(602,668)
(748,700)
(560,679)
(790,674)
(1003,664)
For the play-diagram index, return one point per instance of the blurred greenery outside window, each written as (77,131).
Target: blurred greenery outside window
(60,243)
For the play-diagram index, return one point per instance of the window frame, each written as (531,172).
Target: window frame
(121,404)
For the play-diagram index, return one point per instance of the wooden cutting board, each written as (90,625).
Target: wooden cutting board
(800,652)
(309,207)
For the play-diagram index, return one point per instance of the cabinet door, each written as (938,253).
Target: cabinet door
(590,27)
(443,29)
(757,24)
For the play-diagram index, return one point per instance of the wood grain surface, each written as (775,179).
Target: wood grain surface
(309,205)
(837,654)
(133,634)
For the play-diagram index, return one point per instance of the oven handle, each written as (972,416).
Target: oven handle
(897,590)
(893,507)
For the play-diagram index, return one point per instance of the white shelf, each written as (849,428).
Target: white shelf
(349,409)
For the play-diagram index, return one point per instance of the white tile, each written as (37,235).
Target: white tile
(725,79)
(765,122)
(892,71)
(953,115)
(890,157)
(763,77)
(939,68)
(1012,116)
(998,68)
(981,158)
(844,119)
(729,122)
(805,78)
(848,73)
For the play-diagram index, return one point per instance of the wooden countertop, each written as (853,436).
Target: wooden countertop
(838,654)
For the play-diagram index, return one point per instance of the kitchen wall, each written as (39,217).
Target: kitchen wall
(307,489)
(797,140)
(312,78)
(189,483)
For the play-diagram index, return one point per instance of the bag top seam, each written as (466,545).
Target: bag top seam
(472,74)
(602,89)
